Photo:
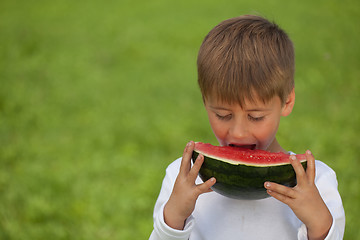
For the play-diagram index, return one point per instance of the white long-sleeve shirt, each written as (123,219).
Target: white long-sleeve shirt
(216,217)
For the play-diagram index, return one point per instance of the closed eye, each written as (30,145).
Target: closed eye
(256,119)
(223,117)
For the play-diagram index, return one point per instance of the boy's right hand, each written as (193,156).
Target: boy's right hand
(185,192)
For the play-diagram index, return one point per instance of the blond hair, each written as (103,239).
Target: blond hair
(244,58)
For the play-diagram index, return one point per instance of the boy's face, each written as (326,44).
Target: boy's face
(254,126)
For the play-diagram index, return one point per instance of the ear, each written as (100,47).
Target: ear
(289,104)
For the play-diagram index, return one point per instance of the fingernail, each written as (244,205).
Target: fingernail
(293,157)
(188,144)
(308,152)
(267,184)
(212,179)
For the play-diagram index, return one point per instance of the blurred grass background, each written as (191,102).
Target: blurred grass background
(98,97)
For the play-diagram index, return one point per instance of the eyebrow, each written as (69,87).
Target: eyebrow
(246,110)
(219,108)
(258,110)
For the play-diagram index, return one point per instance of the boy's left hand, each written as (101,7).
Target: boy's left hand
(304,199)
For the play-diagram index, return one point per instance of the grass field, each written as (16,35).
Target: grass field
(98,97)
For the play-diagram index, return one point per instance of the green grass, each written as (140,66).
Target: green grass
(98,97)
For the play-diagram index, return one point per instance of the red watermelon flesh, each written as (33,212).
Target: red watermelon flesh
(238,155)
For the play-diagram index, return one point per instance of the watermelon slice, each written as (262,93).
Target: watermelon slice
(240,173)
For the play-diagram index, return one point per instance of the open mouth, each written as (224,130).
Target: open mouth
(247,146)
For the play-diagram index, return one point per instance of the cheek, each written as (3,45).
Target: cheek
(218,128)
(267,132)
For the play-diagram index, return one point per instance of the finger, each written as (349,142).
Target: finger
(310,170)
(206,186)
(282,198)
(194,171)
(185,161)
(280,189)
(298,168)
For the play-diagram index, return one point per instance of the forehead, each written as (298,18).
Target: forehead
(238,91)
(254,104)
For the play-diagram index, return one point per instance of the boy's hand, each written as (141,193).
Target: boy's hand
(185,192)
(304,199)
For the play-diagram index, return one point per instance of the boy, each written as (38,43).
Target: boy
(246,77)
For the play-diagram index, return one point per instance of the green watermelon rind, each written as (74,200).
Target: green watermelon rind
(243,181)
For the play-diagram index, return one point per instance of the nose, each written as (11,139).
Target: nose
(239,130)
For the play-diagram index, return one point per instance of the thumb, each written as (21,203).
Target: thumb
(206,186)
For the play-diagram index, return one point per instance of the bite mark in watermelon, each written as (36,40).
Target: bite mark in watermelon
(240,173)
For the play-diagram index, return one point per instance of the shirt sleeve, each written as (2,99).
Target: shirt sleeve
(327,185)
(161,230)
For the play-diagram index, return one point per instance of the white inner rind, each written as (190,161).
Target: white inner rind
(234,162)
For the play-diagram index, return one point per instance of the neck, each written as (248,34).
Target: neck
(275,147)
